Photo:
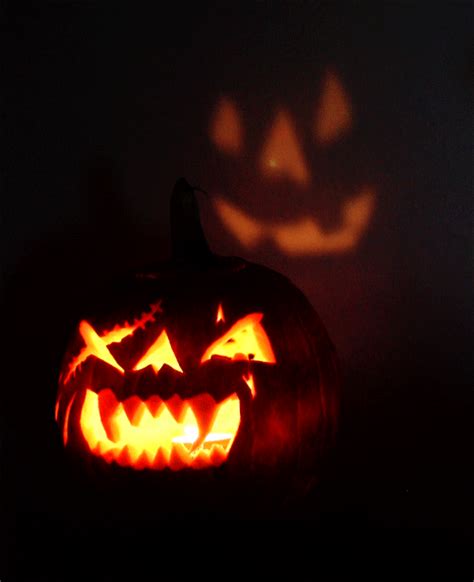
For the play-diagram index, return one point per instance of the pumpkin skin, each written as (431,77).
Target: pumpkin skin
(287,411)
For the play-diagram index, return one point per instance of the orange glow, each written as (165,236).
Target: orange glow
(247,230)
(334,112)
(220,314)
(66,420)
(245,340)
(154,434)
(303,236)
(306,237)
(96,345)
(282,153)
(251,384)
(283,156)
(159,354)
(226,129)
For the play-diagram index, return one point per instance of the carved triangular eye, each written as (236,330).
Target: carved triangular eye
(334,111)
(245,340)
(159,354)
(282,153)
(226,128)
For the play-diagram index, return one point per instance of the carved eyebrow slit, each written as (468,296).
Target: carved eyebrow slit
(96,346)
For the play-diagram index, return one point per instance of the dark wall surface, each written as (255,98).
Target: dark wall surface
(106,106)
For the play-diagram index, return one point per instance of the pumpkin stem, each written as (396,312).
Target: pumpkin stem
(187,236)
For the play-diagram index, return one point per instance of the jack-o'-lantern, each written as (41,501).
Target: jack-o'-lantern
(199,363)
(291,179)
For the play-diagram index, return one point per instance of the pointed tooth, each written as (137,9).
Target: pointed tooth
(104,451)
(134,409)
(107,407)
(218,455)
(109,455)
(205,409)
(101,448)
(142,462)
(176,462)
(150,455)
(161,459)
(154,405)
(134,454)
(201,460)
(95,448)
(177,407)
(183,453)
(125,458)
(142,409)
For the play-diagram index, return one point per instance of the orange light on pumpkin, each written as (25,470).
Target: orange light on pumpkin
(154,434)
(251,384)
(66,419)
(245,340)
(220,314)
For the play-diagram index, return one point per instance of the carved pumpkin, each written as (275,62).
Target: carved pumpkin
(201,362)
(293,179)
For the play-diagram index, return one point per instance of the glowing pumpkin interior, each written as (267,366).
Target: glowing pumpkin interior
(197,432)
(156,434)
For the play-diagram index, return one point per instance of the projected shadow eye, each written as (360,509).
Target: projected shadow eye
(226,130)
(334,111)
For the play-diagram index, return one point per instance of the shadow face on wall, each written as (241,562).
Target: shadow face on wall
(295,184)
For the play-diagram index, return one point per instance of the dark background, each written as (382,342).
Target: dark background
(105,107)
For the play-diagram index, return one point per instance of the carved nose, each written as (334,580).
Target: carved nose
(282,155)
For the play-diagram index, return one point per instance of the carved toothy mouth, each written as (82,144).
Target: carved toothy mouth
(176,433)
(304,235)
